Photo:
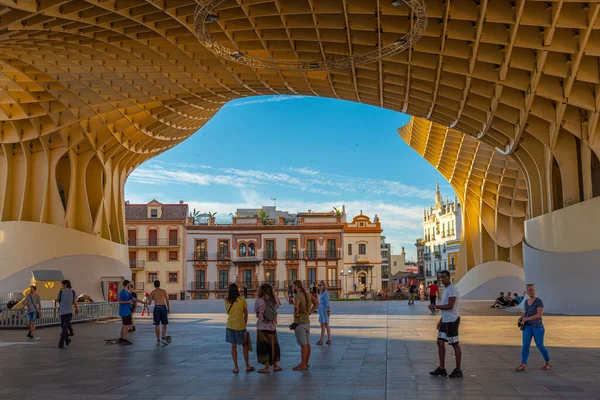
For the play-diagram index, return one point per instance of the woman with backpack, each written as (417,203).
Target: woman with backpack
(267,345)
(237,320)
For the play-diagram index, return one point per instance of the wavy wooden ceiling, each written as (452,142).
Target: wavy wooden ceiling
(131,75)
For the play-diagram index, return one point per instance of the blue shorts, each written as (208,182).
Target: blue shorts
(235,337)
(160,315)
(31,316)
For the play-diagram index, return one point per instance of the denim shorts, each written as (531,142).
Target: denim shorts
(31,316)
(235,337)
(302,333)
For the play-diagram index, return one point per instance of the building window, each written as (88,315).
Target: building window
(173,237)
(331,248)
(223,249)
(311,248)
(270,249)
(395,263)
(200,280)
(152,276)
(242,250)
(223,279)
(172,297)
(173,277)
(152,237)
(270,276)
(154,213)
(200,249)
(312,275)
(362,248)
(153,256)
(292,275)
(251,250)
(292,249)
(173,255)
(349,249)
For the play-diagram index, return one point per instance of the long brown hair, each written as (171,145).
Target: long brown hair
(265,292)
(233,292)
(299,285)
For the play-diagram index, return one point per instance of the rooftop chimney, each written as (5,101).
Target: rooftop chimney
(180,201)
(126,201)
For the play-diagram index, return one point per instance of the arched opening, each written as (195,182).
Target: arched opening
(242,250)
(595,175)
(557,192)
(94,184)
(63,179)
(251,250)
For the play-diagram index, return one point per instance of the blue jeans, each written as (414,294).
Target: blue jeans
(537,334)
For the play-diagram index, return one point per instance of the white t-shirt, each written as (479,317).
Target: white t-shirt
(449,315)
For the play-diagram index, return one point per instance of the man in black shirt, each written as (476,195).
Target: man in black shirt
(412,293)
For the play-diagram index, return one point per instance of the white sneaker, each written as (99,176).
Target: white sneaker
(36,338)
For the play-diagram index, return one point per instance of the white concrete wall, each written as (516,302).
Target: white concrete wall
(487,280)
(85,259)
(560,254)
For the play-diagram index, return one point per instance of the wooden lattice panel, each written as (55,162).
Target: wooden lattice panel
(117,82)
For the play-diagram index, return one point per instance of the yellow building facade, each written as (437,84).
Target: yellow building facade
(155,238)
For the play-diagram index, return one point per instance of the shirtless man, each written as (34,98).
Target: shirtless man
(161,310)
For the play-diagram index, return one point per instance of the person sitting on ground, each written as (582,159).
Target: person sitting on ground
(500,301)
(516,300)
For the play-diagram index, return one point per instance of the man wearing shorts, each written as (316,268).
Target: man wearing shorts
(125,301)
(162,308)
(33,304)
(448,327)
(433,291)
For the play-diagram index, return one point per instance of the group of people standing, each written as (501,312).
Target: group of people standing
(266,309)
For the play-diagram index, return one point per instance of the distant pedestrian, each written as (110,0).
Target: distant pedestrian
(268,351)
(290,294)
(145,308)
(532,326)
(160,314)
(412,293)
(245,291)
(433,291)
(448,327)
(34,308)
(324,313)
(133,309)
(66,301)
(301,326)
(125,301)
(237,320)
(314,291)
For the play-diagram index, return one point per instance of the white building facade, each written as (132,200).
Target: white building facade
(386,258)
(441,236)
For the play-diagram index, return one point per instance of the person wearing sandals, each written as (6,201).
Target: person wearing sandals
(533,328)
(324,313)
(237,319)
(268,352)
(304,305)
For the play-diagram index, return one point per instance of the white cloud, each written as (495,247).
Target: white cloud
(304,179)
(262,100)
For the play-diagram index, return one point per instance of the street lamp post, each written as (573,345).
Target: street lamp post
(345,275)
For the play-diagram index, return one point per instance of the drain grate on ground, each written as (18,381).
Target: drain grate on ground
(555,388)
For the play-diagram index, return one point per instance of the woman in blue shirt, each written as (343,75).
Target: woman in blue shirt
(324,313)
(534,328)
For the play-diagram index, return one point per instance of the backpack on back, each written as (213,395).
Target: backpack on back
(270,311)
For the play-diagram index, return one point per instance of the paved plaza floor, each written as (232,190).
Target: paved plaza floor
(380,350)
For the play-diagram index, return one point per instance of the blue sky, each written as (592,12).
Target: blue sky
(308,153)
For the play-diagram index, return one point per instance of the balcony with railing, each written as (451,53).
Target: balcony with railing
(153,242)
(249,256)
(291,255)
(273,283)
(251,285)
(203,286)
(221,285)
(322,254)
(269,255)
(137,264)
(429,273)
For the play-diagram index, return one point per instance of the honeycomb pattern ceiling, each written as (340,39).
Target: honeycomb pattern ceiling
(131,75)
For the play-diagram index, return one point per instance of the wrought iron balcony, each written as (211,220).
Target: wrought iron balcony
(137,264)
(291,254)
(200,256)
(221,285)
(270,255)
(251,285)
(322,254)
(199,286)
(153,242)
